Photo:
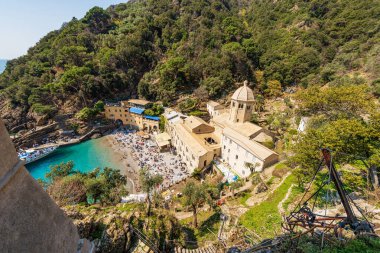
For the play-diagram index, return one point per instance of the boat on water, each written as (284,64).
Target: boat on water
(31,155)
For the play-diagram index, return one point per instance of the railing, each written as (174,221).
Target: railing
(145,239)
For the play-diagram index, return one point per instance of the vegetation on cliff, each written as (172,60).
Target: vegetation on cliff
(164,49)
(69,187)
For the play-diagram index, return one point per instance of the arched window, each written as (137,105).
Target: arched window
(241,106)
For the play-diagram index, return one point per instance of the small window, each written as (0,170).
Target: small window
(233,103)
(241,106)
(248,107)
(224,147)
(228,150)
(237,120)
(205,163)
(236,157)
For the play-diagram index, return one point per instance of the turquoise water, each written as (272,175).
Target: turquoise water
(86,156)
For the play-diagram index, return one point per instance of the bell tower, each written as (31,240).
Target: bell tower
(242,102)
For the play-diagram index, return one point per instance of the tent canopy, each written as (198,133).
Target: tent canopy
(163,139)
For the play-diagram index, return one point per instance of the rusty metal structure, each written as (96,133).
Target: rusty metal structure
(303,220)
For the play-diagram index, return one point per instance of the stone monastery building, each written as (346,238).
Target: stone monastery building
(229,136)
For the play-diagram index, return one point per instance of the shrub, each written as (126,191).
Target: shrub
(197,113)
(86,114)
(41,109)
(69,190)
(188,105)
(280,170)
(99,106)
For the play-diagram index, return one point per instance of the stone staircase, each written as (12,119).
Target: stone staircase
(141,247)
(208,249)
(144,245)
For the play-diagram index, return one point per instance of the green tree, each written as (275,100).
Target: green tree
(349,139)
(99,106)
(148,183)
(98,20)
(60,170)
(335,101)
(86,114)
(194,195)
(94,188)
(68,190)
(274,88)
(107,186)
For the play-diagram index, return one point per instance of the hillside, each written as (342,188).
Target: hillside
(163,50)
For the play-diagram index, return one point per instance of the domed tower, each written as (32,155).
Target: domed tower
(242,103)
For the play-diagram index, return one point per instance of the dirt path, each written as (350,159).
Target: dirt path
(280,205)
(258,198)
(185,215)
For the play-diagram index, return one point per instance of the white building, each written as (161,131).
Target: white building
(215,109)
(244,155)
(242,141)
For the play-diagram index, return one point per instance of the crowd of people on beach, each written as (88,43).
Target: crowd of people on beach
(146,154)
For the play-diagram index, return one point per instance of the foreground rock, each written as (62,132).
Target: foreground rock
(110,228)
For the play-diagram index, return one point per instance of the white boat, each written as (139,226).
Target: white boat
(31,155)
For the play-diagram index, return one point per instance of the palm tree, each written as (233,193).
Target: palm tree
(194,196)
(148,182)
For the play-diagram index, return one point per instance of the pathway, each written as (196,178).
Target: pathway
(280,205)
(254,200)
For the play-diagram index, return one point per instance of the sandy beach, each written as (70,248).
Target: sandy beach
(130,152)
(122,157)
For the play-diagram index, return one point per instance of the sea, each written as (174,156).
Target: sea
(86,156)
(3,63)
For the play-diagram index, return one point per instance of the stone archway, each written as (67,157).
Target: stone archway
(119,122)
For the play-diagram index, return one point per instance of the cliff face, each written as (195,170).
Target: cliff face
(30,220)
(108,230)
(112,228)
(166,49)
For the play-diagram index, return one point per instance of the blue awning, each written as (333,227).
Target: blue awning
(152,117)
(136,110)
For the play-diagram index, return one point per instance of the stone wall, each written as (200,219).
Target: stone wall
(30,220)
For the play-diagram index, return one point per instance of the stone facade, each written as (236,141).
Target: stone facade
(131,113)
(242,102)
(30,220)
(229,136)
(195,141)
(242,141)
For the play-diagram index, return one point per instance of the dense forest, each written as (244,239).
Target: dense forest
(162,50)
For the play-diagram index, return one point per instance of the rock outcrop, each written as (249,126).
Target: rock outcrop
(109,230)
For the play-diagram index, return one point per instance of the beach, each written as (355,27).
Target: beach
(131,152)
(122,156)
